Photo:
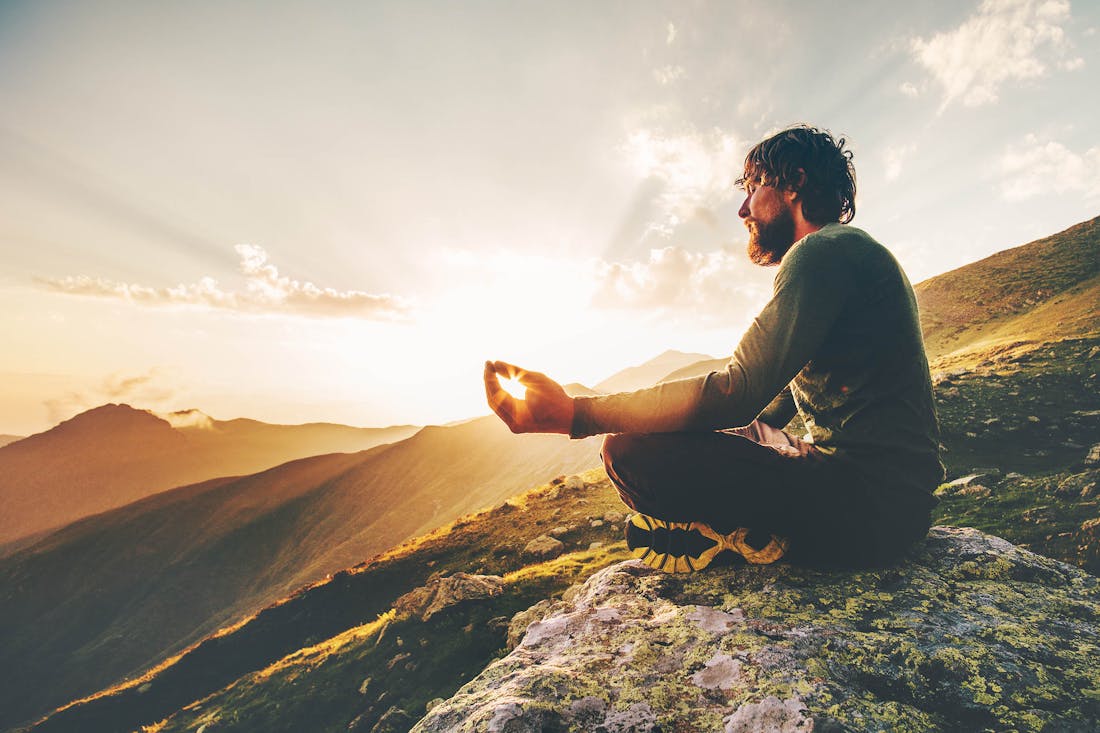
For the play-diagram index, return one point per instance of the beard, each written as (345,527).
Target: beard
(770,240)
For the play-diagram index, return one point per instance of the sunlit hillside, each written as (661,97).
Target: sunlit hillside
(1043,291)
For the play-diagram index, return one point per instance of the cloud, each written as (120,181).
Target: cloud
(893,159)
(141,390)
(265,291)
(696,168)
(909,89)
(1005,40)
(709,286)
(668,74)
(1035,166)
(670,37)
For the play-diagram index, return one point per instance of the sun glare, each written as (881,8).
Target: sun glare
(513,387)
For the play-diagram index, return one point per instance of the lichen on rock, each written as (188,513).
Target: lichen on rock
(969,632)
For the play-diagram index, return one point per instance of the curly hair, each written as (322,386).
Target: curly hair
(812,162)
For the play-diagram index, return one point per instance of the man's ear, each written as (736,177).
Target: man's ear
(793,191)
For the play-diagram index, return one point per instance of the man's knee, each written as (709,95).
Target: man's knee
(621,451)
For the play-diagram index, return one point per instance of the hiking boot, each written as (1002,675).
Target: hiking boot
(684,547)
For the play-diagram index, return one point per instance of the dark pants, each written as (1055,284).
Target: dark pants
(765,479)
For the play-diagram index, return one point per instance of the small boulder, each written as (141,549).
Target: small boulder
(574,483)
(440,593)
(544,547)
(559,532)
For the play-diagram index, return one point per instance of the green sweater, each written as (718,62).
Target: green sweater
(839,342)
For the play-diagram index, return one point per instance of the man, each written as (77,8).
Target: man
(705,461)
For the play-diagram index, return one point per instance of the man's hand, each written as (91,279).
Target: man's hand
(546,408)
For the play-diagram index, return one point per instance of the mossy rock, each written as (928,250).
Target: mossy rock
(968,633)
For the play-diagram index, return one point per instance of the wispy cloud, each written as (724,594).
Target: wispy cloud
(1005,40)
(696,168)
(709,285)
(265,291)
(140,390)
(893,159)
(1035,166)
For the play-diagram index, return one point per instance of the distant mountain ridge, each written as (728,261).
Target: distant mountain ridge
(114,454)
(648,373)
(5,439)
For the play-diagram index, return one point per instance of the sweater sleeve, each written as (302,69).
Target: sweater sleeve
(810,290)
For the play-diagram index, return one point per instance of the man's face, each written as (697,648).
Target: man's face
(767,215)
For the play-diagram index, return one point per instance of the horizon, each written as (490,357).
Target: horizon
(337,215)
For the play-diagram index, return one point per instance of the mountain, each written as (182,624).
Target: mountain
(115,593)
(114,454)
(647,374)
(1043,291)
(696,369)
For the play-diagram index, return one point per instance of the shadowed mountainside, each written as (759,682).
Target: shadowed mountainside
(113,594)
(114,454)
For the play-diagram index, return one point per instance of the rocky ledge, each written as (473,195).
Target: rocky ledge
(969,633)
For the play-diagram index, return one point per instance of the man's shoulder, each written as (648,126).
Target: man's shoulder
(836,244)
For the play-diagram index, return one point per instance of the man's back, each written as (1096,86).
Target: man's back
(865,394)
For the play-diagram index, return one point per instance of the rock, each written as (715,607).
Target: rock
(574,483)
(1088,545)
(519,623)
(595,523)
(433,702)
(440,593)
(595,545)
(1078,485)
(614,517)
(1093,457)
(394,720)
(558,532)
(962,635)
(958,485)
(974,491)
(544,547)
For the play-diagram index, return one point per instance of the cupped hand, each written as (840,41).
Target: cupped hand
(545,408)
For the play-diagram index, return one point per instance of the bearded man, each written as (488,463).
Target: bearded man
(705,462)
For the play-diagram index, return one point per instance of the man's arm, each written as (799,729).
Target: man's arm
(811,288)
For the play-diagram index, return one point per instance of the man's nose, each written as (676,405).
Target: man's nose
(743,212)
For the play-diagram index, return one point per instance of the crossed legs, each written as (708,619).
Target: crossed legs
(756,477)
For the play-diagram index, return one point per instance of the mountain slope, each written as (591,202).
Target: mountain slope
(114,454)
(117,592)
(490,541)
(1042,291)
(647,374)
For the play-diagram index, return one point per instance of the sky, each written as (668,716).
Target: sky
(336,211)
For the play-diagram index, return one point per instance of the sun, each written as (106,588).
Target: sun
(513,387)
